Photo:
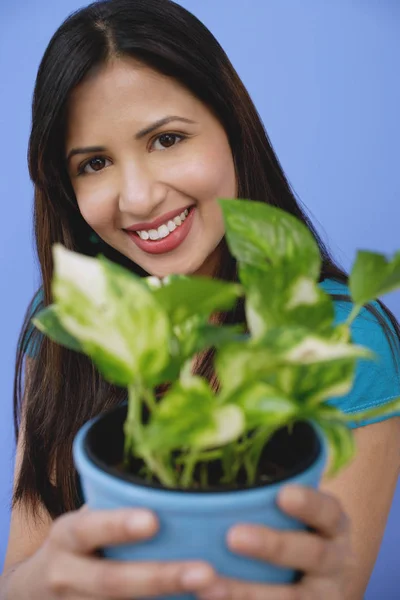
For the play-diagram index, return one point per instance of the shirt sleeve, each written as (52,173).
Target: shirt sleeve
(376,382)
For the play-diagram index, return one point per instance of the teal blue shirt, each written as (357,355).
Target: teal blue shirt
(376,383)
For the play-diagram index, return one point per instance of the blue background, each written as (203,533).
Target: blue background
(324,77)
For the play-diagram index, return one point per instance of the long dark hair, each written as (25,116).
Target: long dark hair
(65,390)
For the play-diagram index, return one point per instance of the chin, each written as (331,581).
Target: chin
(179,268)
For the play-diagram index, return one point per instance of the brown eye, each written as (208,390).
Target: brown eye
(96,164)
(168,140)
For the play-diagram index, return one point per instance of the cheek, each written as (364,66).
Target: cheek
(96,206)
(207,176)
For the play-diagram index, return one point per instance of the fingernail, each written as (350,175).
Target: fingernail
(292,495)
(218,592)
(194,576)
(139,521)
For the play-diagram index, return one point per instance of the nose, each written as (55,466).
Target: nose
(140,194)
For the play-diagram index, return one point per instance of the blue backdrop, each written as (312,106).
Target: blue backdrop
(324,77)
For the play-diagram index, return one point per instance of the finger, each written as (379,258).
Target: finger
(234,589)
(320,511)
(87,576)
(84,531)
(296,550)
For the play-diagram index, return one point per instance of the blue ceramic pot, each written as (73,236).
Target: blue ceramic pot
(194,524)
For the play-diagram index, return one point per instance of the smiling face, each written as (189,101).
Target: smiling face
(150,195)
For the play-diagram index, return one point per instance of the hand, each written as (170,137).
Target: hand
(324,556)
(65,566)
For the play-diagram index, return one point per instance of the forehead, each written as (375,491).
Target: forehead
(127,89)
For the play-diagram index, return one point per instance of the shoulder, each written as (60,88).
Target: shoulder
(376,382)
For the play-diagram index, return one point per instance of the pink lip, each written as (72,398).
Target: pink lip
(157,222)
(167,244)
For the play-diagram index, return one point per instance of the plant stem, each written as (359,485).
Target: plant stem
(353,314)
(134,436)
(203,457)
(149,399)
(231,461)
(165,476)
(187,474)
(204,476)
(132,425)
(252,458)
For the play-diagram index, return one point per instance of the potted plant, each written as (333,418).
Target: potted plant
(202,459)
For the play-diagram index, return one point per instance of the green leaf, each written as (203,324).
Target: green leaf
(263,405)
(298,345)
(265,236)
(316,383)
(315,349)
(341,444)
(185,297)
(195,336)
(238,364)
(167,429)
(142,321)
(191,337)
(48,322)
(388,409)
(292,300)
(205,424)
(373,275)
(228,426)
(327,413)
(189,301)
(115,318)
(309,368)
(104,345)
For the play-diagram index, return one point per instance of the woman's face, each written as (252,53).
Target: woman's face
(150,195)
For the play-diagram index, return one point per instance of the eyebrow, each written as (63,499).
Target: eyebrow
(138,136)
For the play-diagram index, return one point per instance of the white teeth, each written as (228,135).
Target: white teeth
(171,226)
(163,231)
(177,220)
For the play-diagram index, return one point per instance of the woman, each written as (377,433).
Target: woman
(139,124)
